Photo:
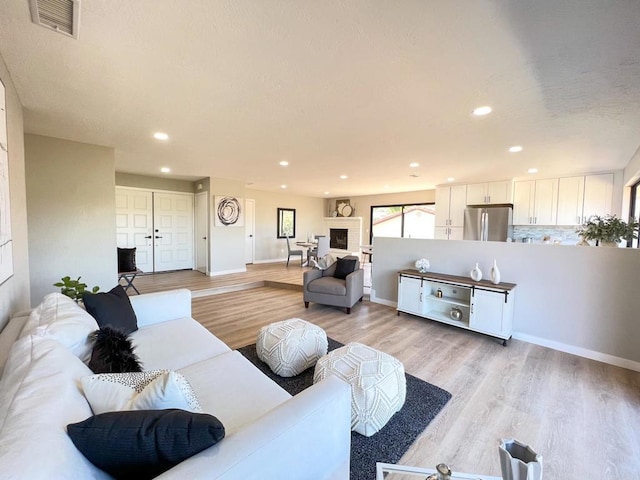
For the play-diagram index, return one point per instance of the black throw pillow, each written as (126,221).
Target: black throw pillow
(126,259)
(344,267)
(142,444)
(113,352)
(112,308)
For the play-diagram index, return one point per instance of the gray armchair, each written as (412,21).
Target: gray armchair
(320,286)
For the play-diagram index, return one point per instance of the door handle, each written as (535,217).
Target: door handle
(204,238)
(149,236)
(158,236)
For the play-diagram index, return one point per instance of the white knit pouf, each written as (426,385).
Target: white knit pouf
(291,346)
(378,384)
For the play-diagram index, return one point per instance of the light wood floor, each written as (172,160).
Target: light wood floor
(581,415)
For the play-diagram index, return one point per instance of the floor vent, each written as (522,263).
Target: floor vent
(62,16)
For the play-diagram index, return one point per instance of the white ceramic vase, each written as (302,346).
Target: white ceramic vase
(476,273)
(518,461)
(495,273)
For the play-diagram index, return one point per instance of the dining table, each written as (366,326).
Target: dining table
(309,246)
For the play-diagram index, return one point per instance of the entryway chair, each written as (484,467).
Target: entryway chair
(293,253)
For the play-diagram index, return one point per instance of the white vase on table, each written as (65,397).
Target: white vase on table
(495,273)
(476,273)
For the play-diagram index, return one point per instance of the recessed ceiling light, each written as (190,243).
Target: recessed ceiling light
(165,170)
(284,163)
(386,186)
(160,136)
(414,164)
(326,193)
(515,149)
(451,179)
(480,111)
(343,177)
(283,186)
(533,170)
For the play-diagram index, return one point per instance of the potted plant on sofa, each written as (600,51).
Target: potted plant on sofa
(608,229)
(74,288)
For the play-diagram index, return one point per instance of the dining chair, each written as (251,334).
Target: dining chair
(293,253)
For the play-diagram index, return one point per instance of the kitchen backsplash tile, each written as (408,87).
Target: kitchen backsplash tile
(564,235)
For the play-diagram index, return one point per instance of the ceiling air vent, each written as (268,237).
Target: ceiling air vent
(63,16)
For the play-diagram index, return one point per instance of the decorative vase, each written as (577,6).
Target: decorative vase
(518,461)
(476,273)
(495,273)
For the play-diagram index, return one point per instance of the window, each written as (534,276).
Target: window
(286,222)
(403,221)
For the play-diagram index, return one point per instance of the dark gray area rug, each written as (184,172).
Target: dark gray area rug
(422,404)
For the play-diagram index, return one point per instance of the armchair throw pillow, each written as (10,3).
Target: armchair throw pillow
(344,267)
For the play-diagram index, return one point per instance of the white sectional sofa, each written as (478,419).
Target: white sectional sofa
(269,434)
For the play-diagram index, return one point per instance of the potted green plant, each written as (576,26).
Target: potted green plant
(73,288)
(608,229)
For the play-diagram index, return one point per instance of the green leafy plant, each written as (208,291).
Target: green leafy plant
(608,228)
(73,288)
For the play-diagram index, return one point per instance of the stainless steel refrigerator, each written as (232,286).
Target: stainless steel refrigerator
(488,222)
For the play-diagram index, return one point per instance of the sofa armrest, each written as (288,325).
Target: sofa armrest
(159,307)
(355,283)
(306,437)
(309,276)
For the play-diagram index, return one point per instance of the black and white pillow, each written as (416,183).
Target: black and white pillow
(151,390)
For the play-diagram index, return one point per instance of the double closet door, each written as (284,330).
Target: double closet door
(159,225)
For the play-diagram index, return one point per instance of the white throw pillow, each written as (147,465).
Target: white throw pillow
(151,390)
(61,319)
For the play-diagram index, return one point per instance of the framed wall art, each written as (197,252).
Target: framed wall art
(228,211)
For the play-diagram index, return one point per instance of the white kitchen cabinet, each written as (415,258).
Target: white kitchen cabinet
(535,202)
(491,192)
(478,306)
(598,195)
(581,196)
(450,205)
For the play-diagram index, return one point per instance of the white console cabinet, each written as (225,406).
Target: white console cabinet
(479,306)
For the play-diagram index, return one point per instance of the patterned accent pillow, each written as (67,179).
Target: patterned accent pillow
(151,390)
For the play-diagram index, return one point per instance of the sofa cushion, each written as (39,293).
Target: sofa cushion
(112,308)
(60,318)
(233,389)
(39,396)
(345,266)
(112,352)
(151,390)
(328,285)
(175,344)
(145,443)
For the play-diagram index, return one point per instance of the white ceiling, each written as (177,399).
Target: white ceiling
(360,88)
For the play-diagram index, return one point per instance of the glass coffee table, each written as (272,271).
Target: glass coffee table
(389,471)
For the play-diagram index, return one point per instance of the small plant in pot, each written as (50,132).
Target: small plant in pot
(73,288)
(608,229)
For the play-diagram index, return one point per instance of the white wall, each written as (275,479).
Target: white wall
(309,219)
(70,213)
(227,243)
(579,299)
(14,293)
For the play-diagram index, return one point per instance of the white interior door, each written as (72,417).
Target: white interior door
(134,224)
(173,231)
(249,230)
(202,243)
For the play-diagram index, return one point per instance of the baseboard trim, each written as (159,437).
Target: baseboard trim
(579,351)
(373,298)
(271,260)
